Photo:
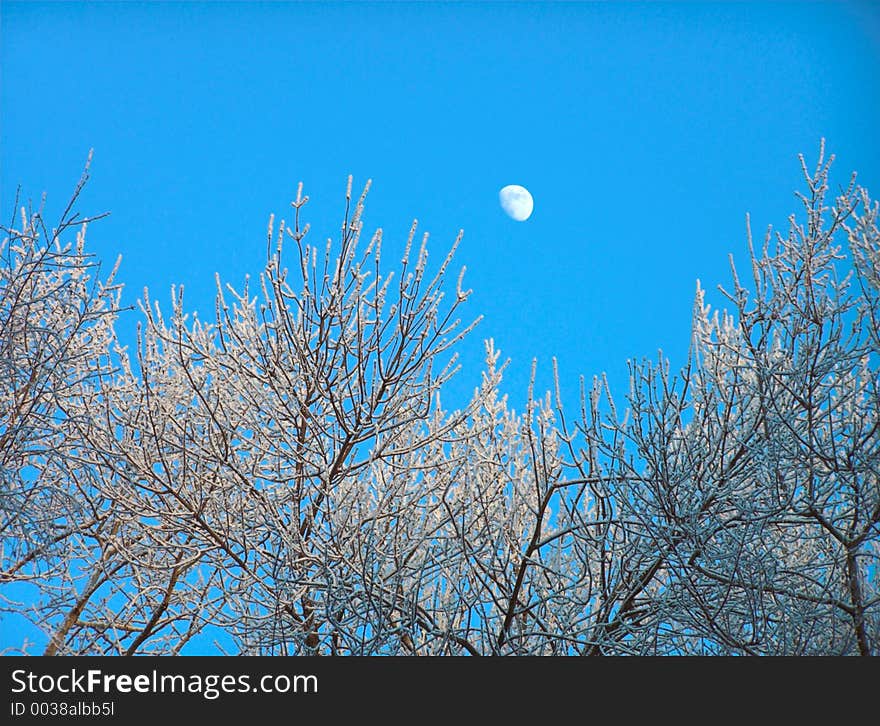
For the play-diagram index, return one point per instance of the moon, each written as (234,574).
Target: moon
(516,202)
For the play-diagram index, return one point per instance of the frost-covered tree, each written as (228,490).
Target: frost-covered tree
(751,481)
(285,472)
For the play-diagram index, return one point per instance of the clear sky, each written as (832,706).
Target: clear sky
(644,132)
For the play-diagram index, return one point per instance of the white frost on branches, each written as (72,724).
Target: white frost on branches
(285,472)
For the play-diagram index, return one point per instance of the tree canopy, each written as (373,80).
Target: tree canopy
(284,475)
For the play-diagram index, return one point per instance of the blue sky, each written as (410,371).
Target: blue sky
(645,132)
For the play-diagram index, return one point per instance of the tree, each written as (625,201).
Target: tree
(286,474)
